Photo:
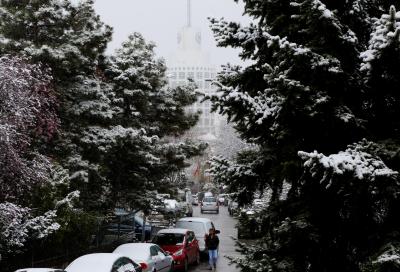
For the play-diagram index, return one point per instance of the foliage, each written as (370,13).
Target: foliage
(323,78)
(28,116)
(65,36)
(103,138)
(120,147)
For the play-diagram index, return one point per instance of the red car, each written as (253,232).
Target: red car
(181,244)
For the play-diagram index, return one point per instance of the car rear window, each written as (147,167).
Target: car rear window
(164,239)
(209,199)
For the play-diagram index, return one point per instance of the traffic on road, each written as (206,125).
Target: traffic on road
(185,246)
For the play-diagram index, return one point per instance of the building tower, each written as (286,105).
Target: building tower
(190,61)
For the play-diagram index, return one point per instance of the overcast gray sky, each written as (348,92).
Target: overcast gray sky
(160,20)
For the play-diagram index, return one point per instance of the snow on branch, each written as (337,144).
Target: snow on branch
(17,225)
(253,40)
(224,171)
(107,137)
(355,161)
(386,32)
(391,255)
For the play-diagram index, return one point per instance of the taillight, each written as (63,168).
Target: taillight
(144,266)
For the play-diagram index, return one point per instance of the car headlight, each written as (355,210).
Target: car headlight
(179,252)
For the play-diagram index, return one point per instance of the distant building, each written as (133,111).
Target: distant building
(190,61)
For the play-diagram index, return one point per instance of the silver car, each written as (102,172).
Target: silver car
(149,256)
(209,204)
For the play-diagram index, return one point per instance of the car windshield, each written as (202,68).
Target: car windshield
(209,199)
(197,227)
(165,239)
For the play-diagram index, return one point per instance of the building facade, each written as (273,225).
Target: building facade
(191,62)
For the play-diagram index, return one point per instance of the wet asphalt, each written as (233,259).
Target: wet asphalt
(226,224)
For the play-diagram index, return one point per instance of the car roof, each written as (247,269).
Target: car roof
(135,245)
(195,219)
(97,262)
(177,230)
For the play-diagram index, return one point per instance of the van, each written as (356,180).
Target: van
(200,226)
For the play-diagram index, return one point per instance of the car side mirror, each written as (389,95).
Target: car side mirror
(217,231)
(168,253)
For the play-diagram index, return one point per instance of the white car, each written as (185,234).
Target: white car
(195,200)
(39,270)
(149,256)
(200,226)
(222,199)
(103,262)
(171,205)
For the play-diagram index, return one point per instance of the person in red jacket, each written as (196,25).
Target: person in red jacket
(212,244)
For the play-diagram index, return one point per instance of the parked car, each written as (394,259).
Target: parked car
(249,225)
(200,227)
(149,256)
(209,204)
(182,244)
(223,199)
(129,224)
(171,205)
(103,262)
(233,207)
(207,194)
(195,200)
(187,208)
(40,270)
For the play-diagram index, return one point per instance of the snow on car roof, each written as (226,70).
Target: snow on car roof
(97,262)
(177,230)
(195,219)
(136,251)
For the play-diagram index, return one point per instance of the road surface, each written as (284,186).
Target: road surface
(226,224)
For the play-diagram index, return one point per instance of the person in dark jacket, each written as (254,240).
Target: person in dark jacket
(212,243)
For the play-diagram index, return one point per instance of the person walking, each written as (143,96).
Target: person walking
(212,243)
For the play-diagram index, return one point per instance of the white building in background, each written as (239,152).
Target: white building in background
(191,61)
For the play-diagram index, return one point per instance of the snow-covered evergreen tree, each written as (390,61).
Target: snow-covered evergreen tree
(127,136)
(323,76)
(116,113)
(140,86)
(67,37)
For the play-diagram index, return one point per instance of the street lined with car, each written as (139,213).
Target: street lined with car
(178,248)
